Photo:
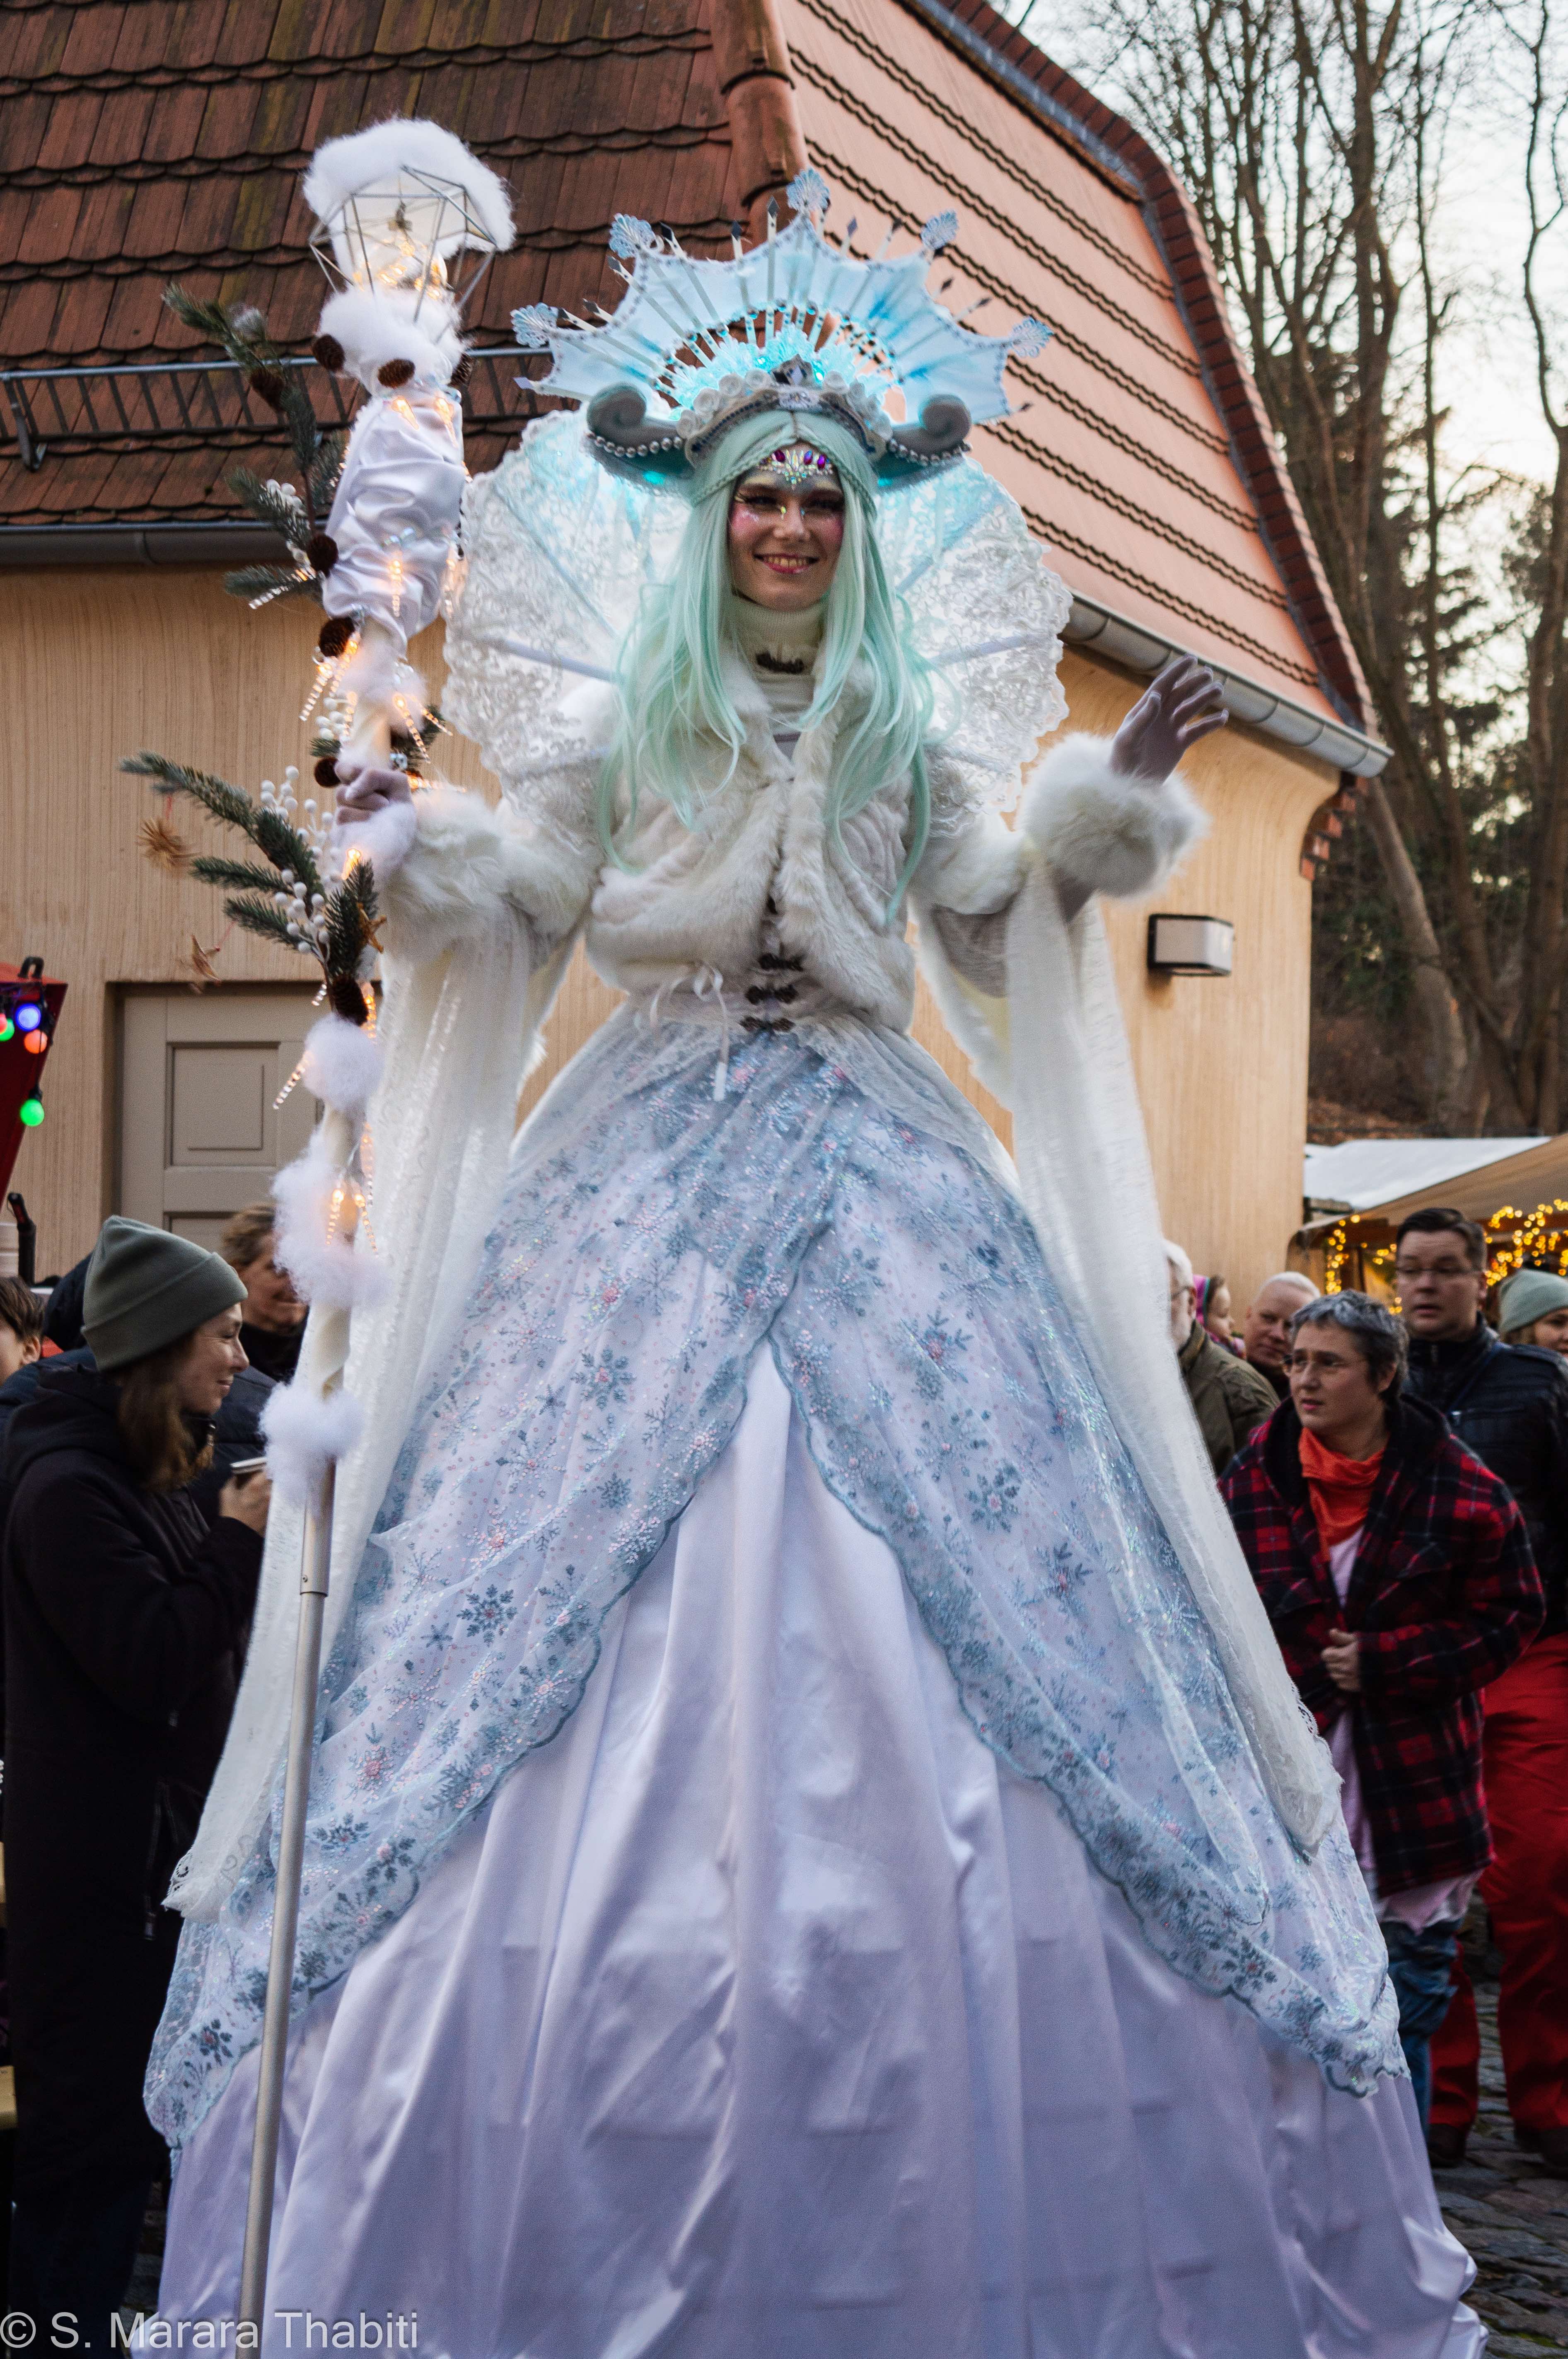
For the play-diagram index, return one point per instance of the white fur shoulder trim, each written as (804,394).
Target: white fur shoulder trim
(1103,831)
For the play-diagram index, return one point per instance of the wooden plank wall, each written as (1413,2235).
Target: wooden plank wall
(108,662)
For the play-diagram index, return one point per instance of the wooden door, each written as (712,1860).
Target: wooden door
(200,1134)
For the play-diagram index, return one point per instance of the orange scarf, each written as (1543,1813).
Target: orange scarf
(1340,1488)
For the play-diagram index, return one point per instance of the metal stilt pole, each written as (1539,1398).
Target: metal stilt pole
(314,1574)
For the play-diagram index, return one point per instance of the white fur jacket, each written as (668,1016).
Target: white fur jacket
(757,901)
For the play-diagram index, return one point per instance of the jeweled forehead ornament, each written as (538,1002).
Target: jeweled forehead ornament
(795,323)
(795,468)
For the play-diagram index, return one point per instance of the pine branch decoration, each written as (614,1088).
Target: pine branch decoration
(276,378)
(260,917)
(241,875)
(260,585)
(281,896)
(286,901)
(271,503)
(229,804)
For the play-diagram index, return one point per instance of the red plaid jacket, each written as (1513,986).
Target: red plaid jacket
(1444,1595)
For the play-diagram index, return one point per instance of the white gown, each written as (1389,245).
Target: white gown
(752,2004)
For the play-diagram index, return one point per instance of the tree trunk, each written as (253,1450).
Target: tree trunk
(1446,1052)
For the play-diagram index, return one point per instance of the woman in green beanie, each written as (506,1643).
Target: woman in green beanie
(1532,1307)
(126,1614)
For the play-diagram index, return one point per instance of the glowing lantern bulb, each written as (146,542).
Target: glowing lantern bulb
(32,1110)
(29,1015)
(8,1029)
(35,1041)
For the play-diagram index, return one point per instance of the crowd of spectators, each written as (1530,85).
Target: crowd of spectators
(1399,1485)
(1402,1501)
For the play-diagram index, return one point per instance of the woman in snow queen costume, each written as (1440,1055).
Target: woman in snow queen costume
(812,1848)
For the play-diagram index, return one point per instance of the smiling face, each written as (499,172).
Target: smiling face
(271,1302)
(213,1359)
(785,537)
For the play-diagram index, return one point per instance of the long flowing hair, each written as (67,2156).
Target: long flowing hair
(674,702)
(164,1453)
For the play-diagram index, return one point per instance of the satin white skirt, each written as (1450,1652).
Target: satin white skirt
(764,2014)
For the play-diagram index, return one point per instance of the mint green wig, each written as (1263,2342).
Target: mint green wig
(673,697)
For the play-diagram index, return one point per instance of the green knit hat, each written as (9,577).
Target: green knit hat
(146,1288)
(1530,1294)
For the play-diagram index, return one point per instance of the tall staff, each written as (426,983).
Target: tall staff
(407,221)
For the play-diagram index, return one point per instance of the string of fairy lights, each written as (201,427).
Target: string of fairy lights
(1515,1239)
(25,1015)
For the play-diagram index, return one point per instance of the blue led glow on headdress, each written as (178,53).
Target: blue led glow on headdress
(795,323)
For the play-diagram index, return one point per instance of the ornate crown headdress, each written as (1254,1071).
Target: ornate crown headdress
(795,323)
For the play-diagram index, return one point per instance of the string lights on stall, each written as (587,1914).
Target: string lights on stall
(1515,1239)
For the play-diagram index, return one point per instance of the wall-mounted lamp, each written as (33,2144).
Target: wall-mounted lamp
(1190,945)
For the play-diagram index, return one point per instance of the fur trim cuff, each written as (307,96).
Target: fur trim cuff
(1103,831)
(385,839)
(470,868)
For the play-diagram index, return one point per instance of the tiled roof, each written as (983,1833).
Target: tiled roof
(166,140)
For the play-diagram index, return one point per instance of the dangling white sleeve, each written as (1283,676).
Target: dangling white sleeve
(1030,991)
(395,512)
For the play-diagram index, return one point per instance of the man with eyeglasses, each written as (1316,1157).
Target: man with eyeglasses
(1509,1404)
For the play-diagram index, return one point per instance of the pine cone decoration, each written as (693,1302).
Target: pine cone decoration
(393,374)
(329,353)
(335,634)
(463,372)
(268,383)
(322,551)
(346,998)
(326,772)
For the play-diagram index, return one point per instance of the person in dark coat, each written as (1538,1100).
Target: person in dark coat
(1397,1576)
(63,1313)
(275,1315)
(1509,1404)
(236,1430)
(125,1612)
(1230,1399)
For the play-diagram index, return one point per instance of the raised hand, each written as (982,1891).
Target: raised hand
(372,790)
(1183,705)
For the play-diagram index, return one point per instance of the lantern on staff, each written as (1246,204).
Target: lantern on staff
(408,223)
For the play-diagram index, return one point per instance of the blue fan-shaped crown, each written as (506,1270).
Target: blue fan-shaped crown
(797,324)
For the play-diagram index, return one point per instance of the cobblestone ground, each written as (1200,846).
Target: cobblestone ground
(1512,2217)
